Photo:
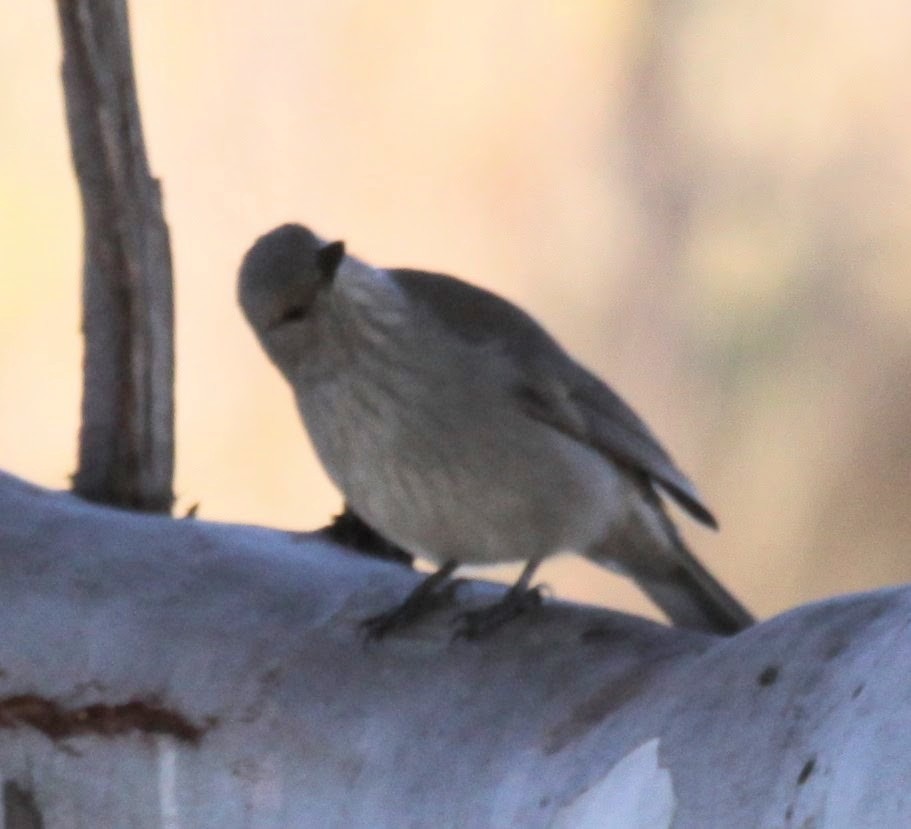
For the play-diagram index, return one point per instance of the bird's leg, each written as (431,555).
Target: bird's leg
(425,598)
(520,598)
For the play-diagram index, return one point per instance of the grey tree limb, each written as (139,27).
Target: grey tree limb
(184,674)
(126,441)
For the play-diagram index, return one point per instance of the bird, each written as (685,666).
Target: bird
(457,427)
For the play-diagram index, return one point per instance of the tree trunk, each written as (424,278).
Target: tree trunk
(126,445)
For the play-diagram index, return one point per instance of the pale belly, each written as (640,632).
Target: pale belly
(477,488)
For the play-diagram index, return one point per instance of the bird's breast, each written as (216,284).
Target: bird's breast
(450,467)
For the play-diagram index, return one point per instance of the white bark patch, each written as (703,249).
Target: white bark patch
(637,793)
(167,783)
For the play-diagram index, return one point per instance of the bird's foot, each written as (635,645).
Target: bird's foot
(421,602)
(477,624)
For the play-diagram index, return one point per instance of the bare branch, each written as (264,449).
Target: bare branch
(163,673)
(126,451)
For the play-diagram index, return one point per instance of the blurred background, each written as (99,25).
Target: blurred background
(709,204)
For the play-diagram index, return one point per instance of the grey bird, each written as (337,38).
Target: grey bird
(458,429)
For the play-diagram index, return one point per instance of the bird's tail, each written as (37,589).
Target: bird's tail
(693,598)
(675,580)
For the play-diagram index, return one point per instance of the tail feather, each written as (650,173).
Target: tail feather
(691,597)
(672,577)
(689,594)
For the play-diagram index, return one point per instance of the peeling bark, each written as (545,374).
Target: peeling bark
(59,723)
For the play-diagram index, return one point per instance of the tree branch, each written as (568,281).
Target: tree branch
(160,672)
(126,447)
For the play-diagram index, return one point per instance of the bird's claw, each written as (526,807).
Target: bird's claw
(413,609)
(478,624)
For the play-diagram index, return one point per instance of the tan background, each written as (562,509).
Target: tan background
(709,204)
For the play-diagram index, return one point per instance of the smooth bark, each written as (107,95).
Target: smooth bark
(179,673)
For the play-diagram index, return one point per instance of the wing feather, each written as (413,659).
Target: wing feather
(549,384)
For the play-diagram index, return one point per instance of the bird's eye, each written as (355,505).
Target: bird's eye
(294,313)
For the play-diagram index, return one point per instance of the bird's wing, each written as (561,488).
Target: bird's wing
(548,384)
(579,404)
